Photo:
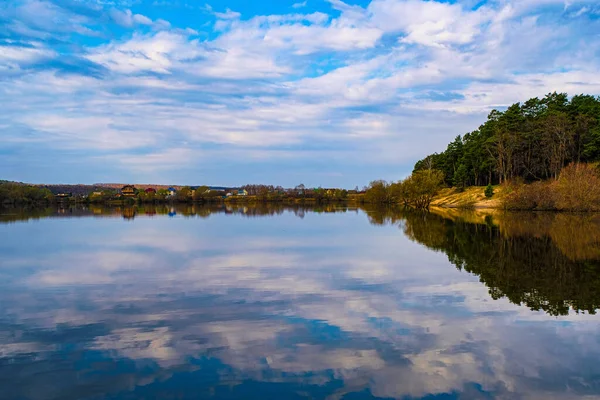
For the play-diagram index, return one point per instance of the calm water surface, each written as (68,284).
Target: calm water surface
(263,303)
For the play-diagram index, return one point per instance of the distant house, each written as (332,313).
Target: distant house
(150,191)
(96,193)
(242,192)
(63,196)
(128,191)
(229,194)
(172,191)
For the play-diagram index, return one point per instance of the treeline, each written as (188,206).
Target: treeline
(74,190)
(18,193)
(532,141)
(249,193)
(297,194)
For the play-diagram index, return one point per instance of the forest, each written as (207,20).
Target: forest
(531,141)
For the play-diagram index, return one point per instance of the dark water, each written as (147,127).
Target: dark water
(274,303)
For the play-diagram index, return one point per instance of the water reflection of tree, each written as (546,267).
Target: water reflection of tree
(547,262)
(183,210)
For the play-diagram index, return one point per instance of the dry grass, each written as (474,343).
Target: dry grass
(471,198)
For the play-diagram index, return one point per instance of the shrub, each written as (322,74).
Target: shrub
(378,192)
(535,196)
(421,187)
(489,191)
(578,188)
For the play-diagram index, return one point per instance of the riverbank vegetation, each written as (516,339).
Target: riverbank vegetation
(418,190)
(544,152)
(19,194)
(532,141)
(576,189)
(16,193)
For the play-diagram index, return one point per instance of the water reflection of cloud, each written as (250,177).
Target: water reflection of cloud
(396,319)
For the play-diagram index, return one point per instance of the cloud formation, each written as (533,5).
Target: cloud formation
(326,92)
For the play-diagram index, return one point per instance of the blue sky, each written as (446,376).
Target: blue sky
(320,92)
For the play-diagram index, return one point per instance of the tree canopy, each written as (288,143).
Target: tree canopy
(533,141)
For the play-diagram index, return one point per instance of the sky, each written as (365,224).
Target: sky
(320,92)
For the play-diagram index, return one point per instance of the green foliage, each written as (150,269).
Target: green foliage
(201,193)
(422,186)
(378,192)
(532,141)
(99,196)
(183,194)
(489,191)
(416,191)
(460,177)
(18,193)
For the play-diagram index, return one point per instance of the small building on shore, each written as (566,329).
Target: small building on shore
(150,191)
(128,191)
(63,196)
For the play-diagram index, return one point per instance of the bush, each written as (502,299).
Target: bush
(378,192)
(489,191)
(578,188)
(535,196)
(419,189)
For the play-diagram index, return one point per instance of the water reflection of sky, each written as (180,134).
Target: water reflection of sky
(327,306)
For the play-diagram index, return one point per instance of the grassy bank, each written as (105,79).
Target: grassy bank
(472,197)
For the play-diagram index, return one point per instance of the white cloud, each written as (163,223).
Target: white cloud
(267,86)
(127,19)
(300,4)
(581,11)
(228,14)
(13,56)
(428,23)
(155,53)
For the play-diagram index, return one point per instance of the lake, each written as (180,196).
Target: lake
(297,303)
